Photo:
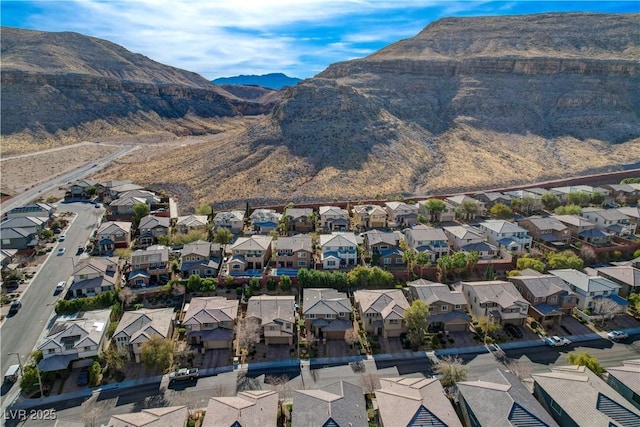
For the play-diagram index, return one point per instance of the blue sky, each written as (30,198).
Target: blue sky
(220,38)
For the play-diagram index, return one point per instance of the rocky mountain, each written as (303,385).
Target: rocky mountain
(271,80)
(67,86)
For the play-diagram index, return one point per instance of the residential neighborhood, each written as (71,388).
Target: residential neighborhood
(228,289)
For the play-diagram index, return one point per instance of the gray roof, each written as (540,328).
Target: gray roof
(298,212)
(591,402)
(501,226)
(255,408)
(504,294)
(192,220)
(607,214)
(145,323)
(387,302)
(201,248)
(542,285)
(211,310)
(269,308)
(376,236)
(500,399)
(153,254)
(424,233)
(341,402)
(547,223)
(431,292)
(585,282)
(325,301)
(151,221)
(228,216)
(172,416)
(294,243)
(623,273)
(403,400)
(627,374)
(252,243)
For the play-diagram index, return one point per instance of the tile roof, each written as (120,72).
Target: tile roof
(211,310)
(201,248)
(325,301)
(431,292)
(298,212)
(607,214)
(294,243)
(255,408)
(465,232)
(387,302)
(623,273)
(414,402)
(114,227)
(172,416)
(627,374)
(145,323)
(591,401)
(376,236)
(504,294)
(192,220)
(229,216)
(269,308)
(500,226)
(338,239)
(499,399)
(585,282)
(341,403)
(541,285)
(574,220)
(151,221)
(256,242)
(153,254)
(424,233)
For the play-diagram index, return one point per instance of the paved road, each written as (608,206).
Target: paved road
(21,333)
(101,406)
(55,182)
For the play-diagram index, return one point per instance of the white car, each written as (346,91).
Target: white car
(60,287)
(617,335)
(556,341)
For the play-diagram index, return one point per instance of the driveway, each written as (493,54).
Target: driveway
(334,348)
(213,358)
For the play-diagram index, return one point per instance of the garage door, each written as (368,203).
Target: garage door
(217,344)
(277,340)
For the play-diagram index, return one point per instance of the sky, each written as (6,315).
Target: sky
(223,38)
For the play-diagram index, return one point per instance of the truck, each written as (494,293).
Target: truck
(184,374)
(12,374)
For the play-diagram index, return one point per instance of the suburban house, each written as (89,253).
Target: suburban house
(139,326)
(249,253)
(548,230)
(293,252)
(457,202)
(252,408)
(93,276)
(326,312)
(210,322)
(124,204)
(447,308)
(151,227)
(625,380)
(81,189)
(414,402)
(8,258)
(549,296)
(498,398)
(583,229)
(19,238)
(623,193)
(591,402)
(533,193)
(591,288)
(632,213)
(73,338)
(505,234)
(111,190)
(42,210)
(490,199)
(384,247)
(188,223)
(149,265)
(432,241)
(369,216)
(300,220)
(497,300)
(627,276)
(233,220)
(338,250)
(32,224)
(401,214)
(113,235)
(610,221)
(202,258)
(333,218)
(382,311)
(276,315)
(447,215)
(563,192)
(466,238)
(337,404)
(156,417)
(265,220)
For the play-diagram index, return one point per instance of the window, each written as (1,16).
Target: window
(302,263)
(556,407)
(554,298)
(272,328)
(302,254)
(331,263)
(87,348)
(444,307)
(51,350)
(393,321)
(458,306)
(431,308)
(399,261)
(310,316)
(288,326)
(386,261)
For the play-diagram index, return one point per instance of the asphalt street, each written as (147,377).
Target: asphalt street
(22,332)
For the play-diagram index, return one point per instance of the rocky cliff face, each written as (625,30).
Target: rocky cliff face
(54,82)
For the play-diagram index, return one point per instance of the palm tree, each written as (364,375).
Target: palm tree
(435,207)
(472,260)
(424,261)
(469,209)
(409,258)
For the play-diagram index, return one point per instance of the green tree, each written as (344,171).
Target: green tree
(194,283)
(140,210)
(550,201)
(579,198)
(583,358)
(423,260)
(444,265)
(222,236)
(568,210)
(95,374)
(156,353)
(472,260)
(29,381)
(564,259)
(285,283)
(634,299)
(501,211)
(633,180)
(525,205)
(409,257)
(527,261)
(458,262)
(46,234)
(255,284)
(487,327)
(204,210)
(596,198)
(421,219)
(469,209)
(435,207)
(415,318)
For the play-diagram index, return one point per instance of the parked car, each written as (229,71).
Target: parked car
(61,251)
(80,250)
(60,287)
(14,307)
(12,374)
(83,377)
(97,205)
(556,341)
(513,330)
(62,238)
(184,374)
(57,230)
(617,335)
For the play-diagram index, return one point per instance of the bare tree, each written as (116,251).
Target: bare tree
(127,296)
(519,369)
(219,390)
(451,370)
(279,383)
(247,333)
(588,254)
(351,337)
(370,382)
(606,307)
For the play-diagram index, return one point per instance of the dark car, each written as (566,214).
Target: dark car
(14,307)
(513,330)
(80,250)
(404,341)
(83,378)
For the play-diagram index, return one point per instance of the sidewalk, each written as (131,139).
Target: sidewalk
(22,403)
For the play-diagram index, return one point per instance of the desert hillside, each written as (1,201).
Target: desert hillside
(468,103)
